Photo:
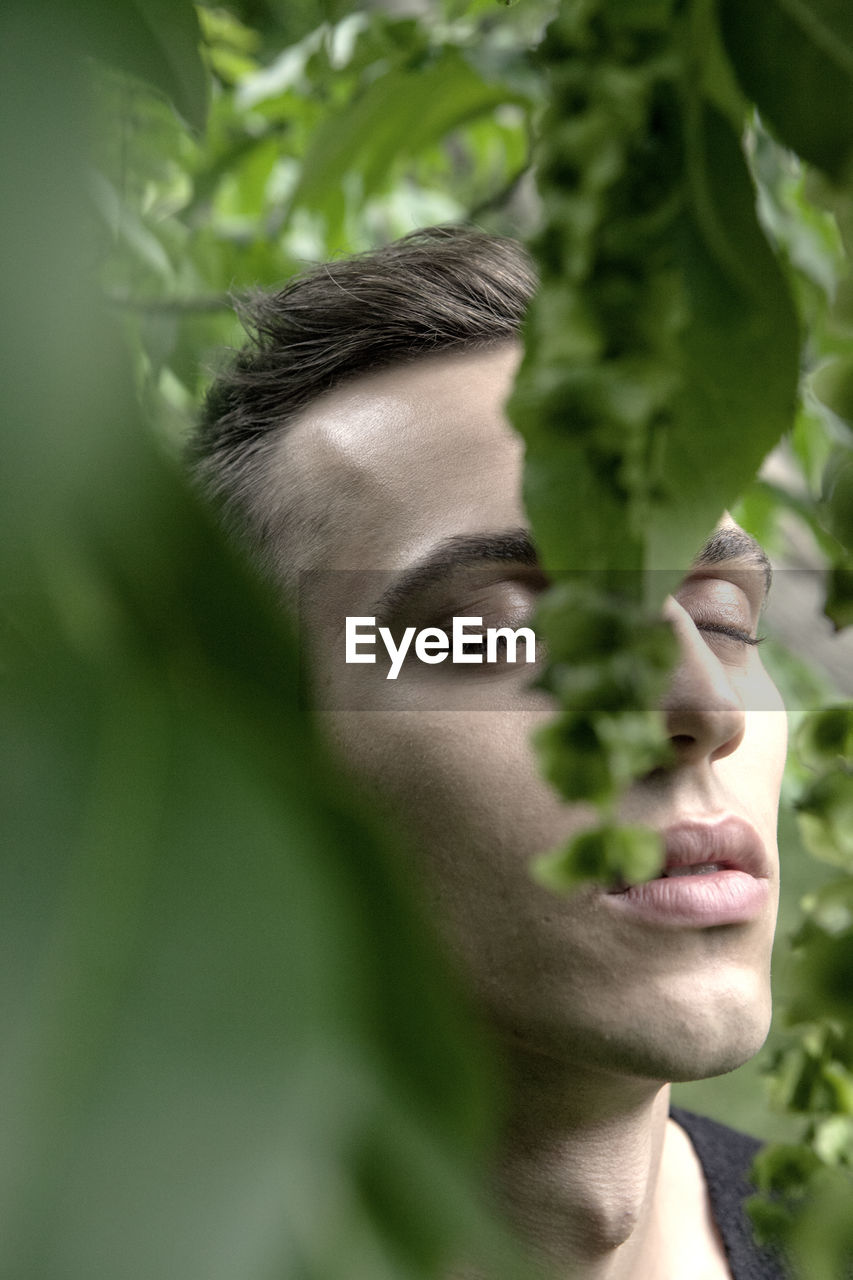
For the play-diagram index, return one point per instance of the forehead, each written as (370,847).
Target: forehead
(387,465)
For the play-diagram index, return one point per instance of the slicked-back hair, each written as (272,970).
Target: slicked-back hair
(441,289)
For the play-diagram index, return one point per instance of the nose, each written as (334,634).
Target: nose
(703,713)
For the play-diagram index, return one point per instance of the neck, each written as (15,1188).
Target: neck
(579,1169)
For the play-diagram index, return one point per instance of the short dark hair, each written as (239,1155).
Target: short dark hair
(436,290)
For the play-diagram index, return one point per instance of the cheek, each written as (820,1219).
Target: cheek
(754,772)
(768,738)
(466,789)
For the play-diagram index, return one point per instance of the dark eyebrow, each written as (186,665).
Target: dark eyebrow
(735,544)
(516,546)
(451,554)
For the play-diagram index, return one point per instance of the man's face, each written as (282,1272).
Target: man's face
(418,465)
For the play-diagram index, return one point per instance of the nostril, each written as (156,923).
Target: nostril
(682,740)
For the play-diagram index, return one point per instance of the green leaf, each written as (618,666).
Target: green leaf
(155,40)
(825,739)
(574,758)
(833,1140)
(822,1239)
(825,812)
(823,988)
(285,22)
(795,59)
(637,743)
(214,986)
(839,595)
(840,1081)
(831,907)
(833,384)
(837,497)
(614,855)
(771,1221)
(784,1167)
(394,118)
(739,348)
(125,225)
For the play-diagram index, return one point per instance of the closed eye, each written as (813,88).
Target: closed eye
(735,633)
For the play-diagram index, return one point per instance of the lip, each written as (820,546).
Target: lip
(735,894)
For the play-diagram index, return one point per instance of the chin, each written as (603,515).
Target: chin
(696,1044)
(669,1040)
(716,1060)
(726,1053)
(703,1026)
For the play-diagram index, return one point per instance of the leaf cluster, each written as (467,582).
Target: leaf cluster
(689,284)
(661,353)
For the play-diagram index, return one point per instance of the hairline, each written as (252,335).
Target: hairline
(437,290)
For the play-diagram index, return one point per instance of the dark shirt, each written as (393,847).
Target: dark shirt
(726,1156)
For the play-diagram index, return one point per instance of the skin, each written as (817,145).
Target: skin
(594,1011)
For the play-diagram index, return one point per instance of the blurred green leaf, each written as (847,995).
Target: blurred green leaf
(823,988)
(833,384)
(833,1140)
(825,738)
(608,854)
(574,759)
(810,103)
(124,223)
(739,347)
(770,1220)
(837,498)
(394,117)
(822,1243)
(783,1167)
(825,811)
(839,594)
(831,906)
(216,987)
(156,40)
(284,22)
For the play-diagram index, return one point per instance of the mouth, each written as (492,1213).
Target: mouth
(715,872)
(704,869)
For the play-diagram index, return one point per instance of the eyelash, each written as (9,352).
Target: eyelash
(502,646)
(716,628)
(734,632)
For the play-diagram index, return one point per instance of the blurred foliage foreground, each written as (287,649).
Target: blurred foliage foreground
(229,1048)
